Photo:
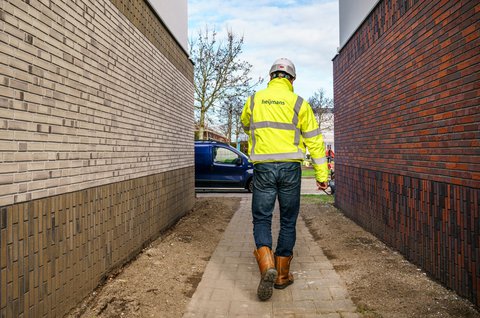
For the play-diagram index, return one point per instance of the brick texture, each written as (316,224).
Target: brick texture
(407,134)
(56,250)
(144,18)
(96,145)
(86,99)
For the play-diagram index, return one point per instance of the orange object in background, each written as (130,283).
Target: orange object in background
(331,165)
(330,155)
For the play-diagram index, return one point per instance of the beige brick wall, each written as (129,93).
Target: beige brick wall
(96,145)
(56,250)
(87,99)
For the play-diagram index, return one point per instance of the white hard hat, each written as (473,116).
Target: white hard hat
(283,65)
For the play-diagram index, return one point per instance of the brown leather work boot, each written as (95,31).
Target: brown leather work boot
(284,279)
(268,273)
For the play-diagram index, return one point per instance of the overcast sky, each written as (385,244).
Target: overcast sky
(305,31)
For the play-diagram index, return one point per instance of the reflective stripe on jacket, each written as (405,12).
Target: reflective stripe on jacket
(280,124)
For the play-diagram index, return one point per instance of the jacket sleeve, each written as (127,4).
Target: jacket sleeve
(245,117)
(313,139)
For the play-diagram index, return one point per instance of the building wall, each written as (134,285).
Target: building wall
(327,126)
(407,134)
(352,13)
(96,145)
(175,16)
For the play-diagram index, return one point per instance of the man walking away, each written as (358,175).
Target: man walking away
(279,124)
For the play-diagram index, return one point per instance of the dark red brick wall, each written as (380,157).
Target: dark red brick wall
(407,134)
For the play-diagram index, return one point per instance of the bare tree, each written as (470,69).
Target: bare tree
(237,123)
(219,74)
(322,107)
(229,114)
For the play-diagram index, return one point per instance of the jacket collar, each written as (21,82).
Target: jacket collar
(281,83)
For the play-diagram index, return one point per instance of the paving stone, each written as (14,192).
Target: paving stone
(229,285)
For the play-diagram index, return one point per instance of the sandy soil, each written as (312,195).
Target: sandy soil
(162,279)
(380,281)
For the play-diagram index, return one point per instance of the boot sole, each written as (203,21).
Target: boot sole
(265,287)
(283,285)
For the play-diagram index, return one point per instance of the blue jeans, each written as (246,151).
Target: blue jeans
(282,179)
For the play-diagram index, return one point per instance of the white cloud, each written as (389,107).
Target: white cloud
(304,31)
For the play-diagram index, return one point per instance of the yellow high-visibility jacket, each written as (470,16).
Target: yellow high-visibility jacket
(280,124)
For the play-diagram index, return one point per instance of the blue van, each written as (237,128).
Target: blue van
(219,165)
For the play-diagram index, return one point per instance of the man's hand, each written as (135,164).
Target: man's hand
(322,185)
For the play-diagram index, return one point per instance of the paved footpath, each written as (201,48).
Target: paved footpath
(228,286)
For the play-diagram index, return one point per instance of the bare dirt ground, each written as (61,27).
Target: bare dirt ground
(162,279)
(379,280)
